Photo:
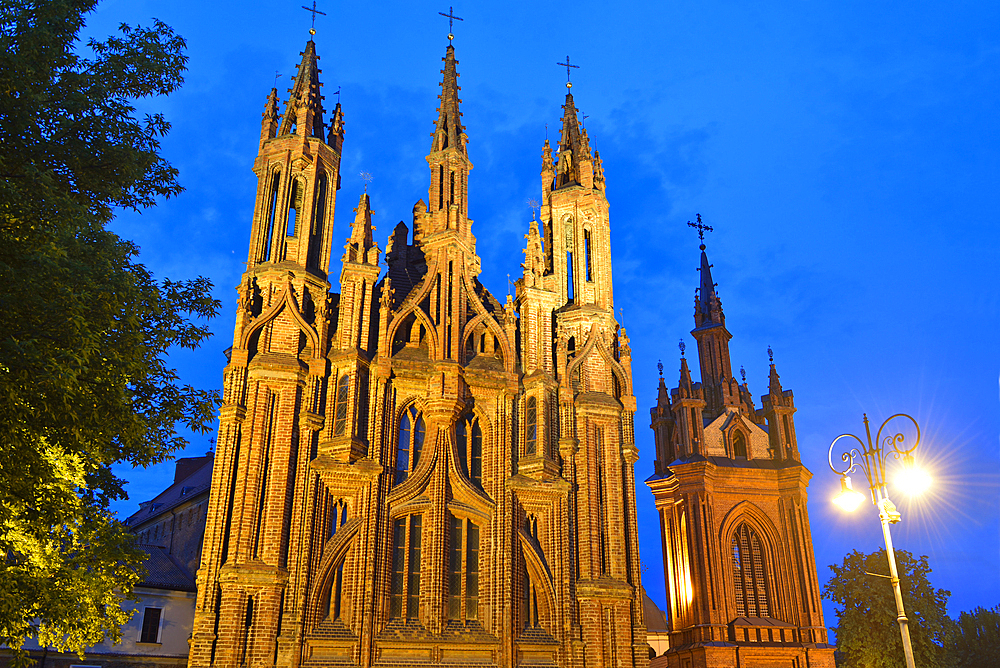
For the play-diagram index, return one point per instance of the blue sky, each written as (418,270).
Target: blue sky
(847,154)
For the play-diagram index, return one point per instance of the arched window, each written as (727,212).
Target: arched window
(739,445)
(463,570)
(340,407)
(753,595)
(334,599)
(272,206)
(529,601)
(531,426)
(294,206)
(411,441)
(469,439)
(404,600)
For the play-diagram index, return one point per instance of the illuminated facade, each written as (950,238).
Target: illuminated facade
(409,471)
(731,494)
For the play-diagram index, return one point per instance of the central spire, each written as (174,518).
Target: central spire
(449,133)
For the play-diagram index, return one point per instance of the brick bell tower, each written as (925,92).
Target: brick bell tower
(278,386)
(740,575)
(411,472)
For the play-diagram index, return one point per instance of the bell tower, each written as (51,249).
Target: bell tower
(731,493)
(275,388)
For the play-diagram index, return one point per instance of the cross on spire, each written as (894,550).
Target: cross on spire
(702,228)
(569,84)
(451,22)
(314,11)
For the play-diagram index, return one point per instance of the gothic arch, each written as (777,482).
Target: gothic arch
(418,479)
(490,325)
(462,489)
(286,300)
(593,341)
(750,514)
(477,306)
(538,570)
(420,317)
(334,552)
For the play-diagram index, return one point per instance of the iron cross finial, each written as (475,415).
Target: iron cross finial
(770,355)
(659,366)
(743,373)
(533,203)
(702,228)
(682,346)
(451,22)
(569,84)
(367,178)
(314,12)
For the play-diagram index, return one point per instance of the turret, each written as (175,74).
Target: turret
(778,410)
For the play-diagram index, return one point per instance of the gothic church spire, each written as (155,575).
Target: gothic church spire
(304,110)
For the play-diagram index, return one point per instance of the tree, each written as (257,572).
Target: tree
(867,631)
(975,639)
(84,328)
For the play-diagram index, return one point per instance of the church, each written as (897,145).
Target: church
(409,470)
(730,490)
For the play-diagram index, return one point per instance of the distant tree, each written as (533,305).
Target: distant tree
(84,328)
(867,631)
(974,640)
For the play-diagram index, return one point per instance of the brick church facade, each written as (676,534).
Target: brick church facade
(730,490)
(410,471)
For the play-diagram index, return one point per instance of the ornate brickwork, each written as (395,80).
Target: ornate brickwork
(731,493)
(411,472)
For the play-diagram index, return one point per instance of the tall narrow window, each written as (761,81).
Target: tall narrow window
(337,593)
(586,253)
(569,277)
(319,216)
(529,601)
(451,199)
(753,596)
(272,209)
(441,181)
(150,625)
(404,594)
(410,443)
(469,439)
(463,570)
(340,410)
(788,433)
(739,445)
(531,426)
(294,204)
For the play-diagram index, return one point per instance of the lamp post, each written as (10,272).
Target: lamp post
(872,458)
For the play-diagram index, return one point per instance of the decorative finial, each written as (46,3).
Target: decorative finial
(367,178)
(533,203)
(569,84)
(770,355)
(276,75)
(508,286)
(659,367)
(683,347)
(314,11)
(743,374)
(583,123)
(451,22)
(702,228)
(338,94)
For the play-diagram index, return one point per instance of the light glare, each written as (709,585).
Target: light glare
(913,480)
(847,498)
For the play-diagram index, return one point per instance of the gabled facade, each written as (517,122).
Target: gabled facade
(731,493)
(409,471)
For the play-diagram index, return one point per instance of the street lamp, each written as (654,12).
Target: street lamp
(872,460)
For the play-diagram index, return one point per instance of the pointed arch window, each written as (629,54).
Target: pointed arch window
(586,251)
(739,445)
(463,570)
(272,209)
(404,595)
(469,439)
(294,207)
(753,595)
(531,426)
(340,405)
(410,443)
(529,600)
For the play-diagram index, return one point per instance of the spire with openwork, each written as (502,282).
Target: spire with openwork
(304,110)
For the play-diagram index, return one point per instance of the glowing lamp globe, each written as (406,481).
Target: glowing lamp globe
(912,479)
(847,498)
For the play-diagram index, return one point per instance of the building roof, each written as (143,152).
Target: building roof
(162,572)
(656,619)
(198,482)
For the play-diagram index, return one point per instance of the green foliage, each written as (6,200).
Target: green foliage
(84,328)
(867,631)
(975,639)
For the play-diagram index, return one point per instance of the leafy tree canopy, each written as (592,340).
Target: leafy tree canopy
(84,328)
(975,639)
(867,631)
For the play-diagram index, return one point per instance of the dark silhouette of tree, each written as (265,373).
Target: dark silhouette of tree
(974,640)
